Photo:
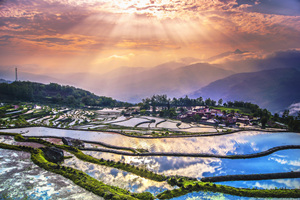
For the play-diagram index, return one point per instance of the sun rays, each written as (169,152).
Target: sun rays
(96,36)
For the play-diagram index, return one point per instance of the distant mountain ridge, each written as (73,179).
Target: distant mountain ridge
(274,89)
(225,54)
(173,81)
(176,78)
(281,59)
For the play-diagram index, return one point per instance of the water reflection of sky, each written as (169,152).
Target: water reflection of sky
(219,196)
(119,178)
(20,178)
(237,143)
(266,184)
(281,161)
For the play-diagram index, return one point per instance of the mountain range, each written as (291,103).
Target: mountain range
(274,89)
(270,81)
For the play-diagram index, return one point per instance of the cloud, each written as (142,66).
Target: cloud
(278,7)
(294,109)
(59,41)
(5,37)
(186,28)
(294,163)
(116,57)
(294,183)
(5,40)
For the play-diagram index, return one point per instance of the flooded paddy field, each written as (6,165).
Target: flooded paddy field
(20,178)
(245,142)
(281,161)
(240,143)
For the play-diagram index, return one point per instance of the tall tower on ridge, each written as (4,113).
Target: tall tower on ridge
(16,70)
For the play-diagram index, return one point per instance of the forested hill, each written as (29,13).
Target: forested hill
(53,93)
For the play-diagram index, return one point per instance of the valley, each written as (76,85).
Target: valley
(164,146)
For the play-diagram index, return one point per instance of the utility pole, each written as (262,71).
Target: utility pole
(16,69)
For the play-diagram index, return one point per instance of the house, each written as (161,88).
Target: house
(244,120)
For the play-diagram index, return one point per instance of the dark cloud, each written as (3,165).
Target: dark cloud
(278,7)
(5,37)
(59,41)
(192,7)
(5,40)
(2,23)
(225,1)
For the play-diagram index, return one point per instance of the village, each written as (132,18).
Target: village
(209,116)
(193,119)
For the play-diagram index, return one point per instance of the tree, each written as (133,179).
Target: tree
(200,101)
(71,100)
(276,117)
(285,114)
(145,104)
(208,102)
(220,102)
(263,121)
(213,103)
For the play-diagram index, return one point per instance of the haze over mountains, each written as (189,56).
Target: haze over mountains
(275,89)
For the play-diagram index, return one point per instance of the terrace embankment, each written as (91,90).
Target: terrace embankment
(172,133)
(254,155)
(250,177)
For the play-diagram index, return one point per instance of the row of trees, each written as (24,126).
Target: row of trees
(293,122)
(164,101)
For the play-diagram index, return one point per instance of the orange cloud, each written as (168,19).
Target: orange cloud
(88,28)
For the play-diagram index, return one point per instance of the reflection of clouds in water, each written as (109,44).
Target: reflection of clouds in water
(280,156)
(241,142)
(253,146)
(185,166)
(195,170)
(117,177)
(290,183)
(191,167)
(279,183)
(281,161)
(205,196)
(20,178)
(264,186)
(295,163)
(202,167)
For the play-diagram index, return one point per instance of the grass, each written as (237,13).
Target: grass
(244,111)
(78,177)
(110,192)
(119,165)
(187,186)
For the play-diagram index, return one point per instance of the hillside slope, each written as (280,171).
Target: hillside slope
(52,93)
(272,89)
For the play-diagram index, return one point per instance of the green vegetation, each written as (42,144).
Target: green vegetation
(10,134)
(55,94)
(78,177)
(119,165)
(241,177)
(110,192)
(187,186)
(293,122)
(230,110)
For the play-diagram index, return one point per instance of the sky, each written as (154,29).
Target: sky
(97,36)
